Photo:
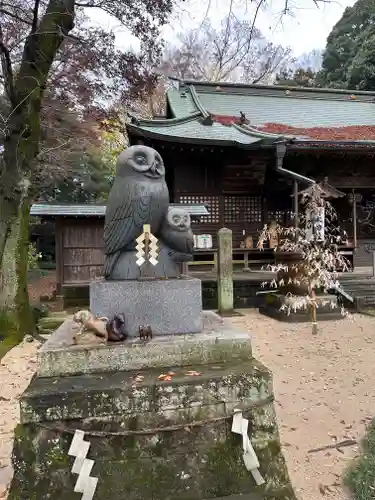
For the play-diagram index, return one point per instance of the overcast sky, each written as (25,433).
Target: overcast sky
(306,29)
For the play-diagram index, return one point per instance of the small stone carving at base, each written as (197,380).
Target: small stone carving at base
(145,332)
(89,323)
(115,328)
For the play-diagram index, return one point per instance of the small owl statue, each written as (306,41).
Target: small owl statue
(176,231)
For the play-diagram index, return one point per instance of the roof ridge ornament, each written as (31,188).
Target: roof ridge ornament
(207,120)
(243,119)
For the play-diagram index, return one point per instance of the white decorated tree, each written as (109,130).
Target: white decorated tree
(313,246)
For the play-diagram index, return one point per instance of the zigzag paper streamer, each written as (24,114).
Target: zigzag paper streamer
(82,466)
(239,426)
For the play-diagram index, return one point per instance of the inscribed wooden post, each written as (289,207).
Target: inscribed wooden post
(224,271)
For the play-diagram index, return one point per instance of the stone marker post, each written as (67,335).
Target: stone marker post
(224,271)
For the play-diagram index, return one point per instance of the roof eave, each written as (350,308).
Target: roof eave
(168,122)
(321,144)
(281,88)
(46,210)
(149,134)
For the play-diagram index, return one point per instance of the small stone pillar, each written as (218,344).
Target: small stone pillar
(224,271)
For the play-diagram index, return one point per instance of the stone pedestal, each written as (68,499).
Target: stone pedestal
(151,439)
(170,306)
(217,342)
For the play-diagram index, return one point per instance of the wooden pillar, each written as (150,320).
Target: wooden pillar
(295,204)
(354,218)
(59,254)
(225,271)
(264,211)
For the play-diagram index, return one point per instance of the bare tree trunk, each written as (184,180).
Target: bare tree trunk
(14,297)
(21,147)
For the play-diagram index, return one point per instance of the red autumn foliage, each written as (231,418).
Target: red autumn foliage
(226,119)
(349,133)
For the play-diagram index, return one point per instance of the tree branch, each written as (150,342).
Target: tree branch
(14,16)
(6,66)
(35,16)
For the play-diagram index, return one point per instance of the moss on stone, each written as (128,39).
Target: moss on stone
(190,462)
(25,319)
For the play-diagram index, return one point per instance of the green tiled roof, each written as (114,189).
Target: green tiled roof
(305,111)
(181,103)
(301,108)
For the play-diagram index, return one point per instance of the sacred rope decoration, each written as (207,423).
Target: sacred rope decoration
(239,426)
(147,248)
(82,466)
(167,428)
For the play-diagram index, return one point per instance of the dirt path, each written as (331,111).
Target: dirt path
(16,369)
(324,388)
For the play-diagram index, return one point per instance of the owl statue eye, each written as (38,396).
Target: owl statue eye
(176,219)
(141,162)
(141,159)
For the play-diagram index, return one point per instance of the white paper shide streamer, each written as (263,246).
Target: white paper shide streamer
(315,229)
(82,466)
(240,426)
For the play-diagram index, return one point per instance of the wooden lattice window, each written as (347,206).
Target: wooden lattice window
(289,218)
(281,216)
(210,202)
(277,215)
(243,209)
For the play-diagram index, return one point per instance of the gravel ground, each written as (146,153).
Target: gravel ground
(324,388)
(16,369)
(323,385)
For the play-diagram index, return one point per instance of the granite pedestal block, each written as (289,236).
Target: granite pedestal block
(170,306)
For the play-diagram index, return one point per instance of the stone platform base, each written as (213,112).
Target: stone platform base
(217,342)
(151,439)
(327,309)
(169,306)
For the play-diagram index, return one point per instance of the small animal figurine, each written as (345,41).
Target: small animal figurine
(115,328)
(145,332)
(88,322)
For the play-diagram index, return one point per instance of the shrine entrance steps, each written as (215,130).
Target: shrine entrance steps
(361,287)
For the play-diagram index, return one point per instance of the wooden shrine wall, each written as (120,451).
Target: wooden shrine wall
(79,242)
(232,191)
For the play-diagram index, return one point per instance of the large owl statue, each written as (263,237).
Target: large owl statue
(138,196)
(176,231)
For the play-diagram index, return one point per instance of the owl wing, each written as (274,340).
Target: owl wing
(190,242)
(127,211)
(180,242)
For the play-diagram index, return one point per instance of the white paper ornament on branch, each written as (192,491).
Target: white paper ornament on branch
(315,227)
